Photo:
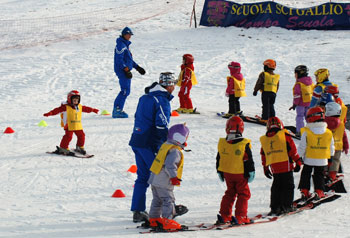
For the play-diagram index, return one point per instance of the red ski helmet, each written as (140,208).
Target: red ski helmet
(270,63)
(188,58)
(234,125)
(315,114)
(332,89)
(274,122)
(71,94)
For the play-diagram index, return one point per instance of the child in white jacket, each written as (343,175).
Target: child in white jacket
(316,147)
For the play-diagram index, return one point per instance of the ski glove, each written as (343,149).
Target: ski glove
(128,73)
(293,107)
(47,114)
(267,172)
(221,176)
(255,93)
(140,70)
(296,168)
(251,176)
(95,110)
(175,181)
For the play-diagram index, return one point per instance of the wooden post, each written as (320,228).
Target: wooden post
(193,14)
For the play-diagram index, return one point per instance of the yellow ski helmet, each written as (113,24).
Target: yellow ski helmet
(321,75)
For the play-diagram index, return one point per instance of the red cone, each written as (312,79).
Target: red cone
(118,194)
(9,130)
(132,169)
(174,114)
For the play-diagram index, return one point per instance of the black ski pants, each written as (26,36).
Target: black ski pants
(268,108)
(318,177)
(234,105)
(282,191)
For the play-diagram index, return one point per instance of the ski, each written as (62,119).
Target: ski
(184,228)
(258,219)
(72,154)
(337,185)
(194,112)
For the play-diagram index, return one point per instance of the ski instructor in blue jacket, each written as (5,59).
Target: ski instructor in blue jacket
(149,133)
(123,64)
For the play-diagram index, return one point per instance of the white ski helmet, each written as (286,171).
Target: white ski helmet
(333,109)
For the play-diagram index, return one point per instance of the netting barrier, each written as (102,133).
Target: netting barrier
(24,33)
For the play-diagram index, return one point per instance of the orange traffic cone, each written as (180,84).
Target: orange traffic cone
(118,194)
(9,130)
(132,169)
(174,114)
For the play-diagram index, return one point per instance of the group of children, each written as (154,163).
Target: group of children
(322,141)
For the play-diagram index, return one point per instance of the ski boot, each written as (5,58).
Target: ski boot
(332,175)
(155,222)
(180,110)
(180,210)
(63,151)
(243,220)
(305,194)
(80,150)
(168,224)
(118,113)
(140,216)
(275,212)
(319,194)
(222,220)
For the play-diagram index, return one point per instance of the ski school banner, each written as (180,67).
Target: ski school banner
(328,16)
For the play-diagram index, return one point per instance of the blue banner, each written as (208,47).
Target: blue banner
(328,16)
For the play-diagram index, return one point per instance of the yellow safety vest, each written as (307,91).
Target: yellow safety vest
(306,91)
(74,118)
(193,77)
(158,162)
(344,111)
(231,156)
(275,147)
(271,82)
(239,86)
(318,145)
(323,86)
(338,134)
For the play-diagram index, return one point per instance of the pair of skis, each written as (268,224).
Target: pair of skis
(258,120)
(299,204)
(71,153)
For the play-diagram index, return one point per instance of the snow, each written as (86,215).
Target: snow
(51,196)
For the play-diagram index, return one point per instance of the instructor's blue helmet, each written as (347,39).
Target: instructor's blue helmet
(127,30)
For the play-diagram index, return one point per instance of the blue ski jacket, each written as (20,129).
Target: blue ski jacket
(122,56)
(152,118)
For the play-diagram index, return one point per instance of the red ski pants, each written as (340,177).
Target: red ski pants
(237,188)
(184,96)
(68,137)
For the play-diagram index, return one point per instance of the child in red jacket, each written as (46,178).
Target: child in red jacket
(235,165)
(71,112)
(235,89)
(278,152)
(187,79)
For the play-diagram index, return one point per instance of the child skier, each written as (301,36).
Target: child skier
(302,93)
(235,89)
(278,152)
(235,165)
(316,147)
(187,79)
(322,79)
(71,112)
(268,84)
(166,173)
(337,126)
